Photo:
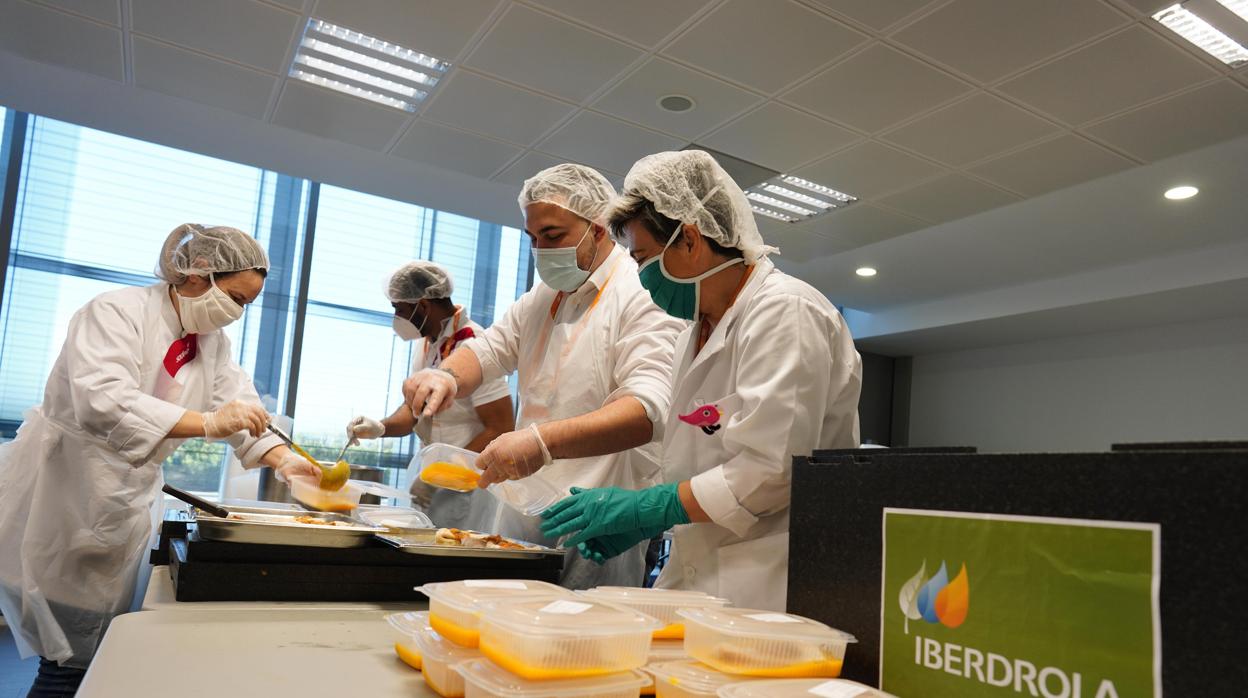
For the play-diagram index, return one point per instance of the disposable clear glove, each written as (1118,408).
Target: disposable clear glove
(362,427)
(295,465)
(609,511)
(234,417)
(512,456)
(429,391)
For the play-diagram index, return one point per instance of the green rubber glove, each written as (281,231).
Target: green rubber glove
(604,548)
(606,511)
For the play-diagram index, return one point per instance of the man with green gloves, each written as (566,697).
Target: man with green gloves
(611,520)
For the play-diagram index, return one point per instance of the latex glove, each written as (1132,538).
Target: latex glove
(234,417)
(603,548)
(512,456)
(295,465)
(362,427)
(429,391)
(606,511)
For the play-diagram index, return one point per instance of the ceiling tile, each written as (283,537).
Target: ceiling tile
(970,130)
(947,198)
(636,99)
(779,137)
(48,36)
(797,246)
(863,224)
(1056,164)
(337,117)
(496,109)
(988,39)
(876,89)
(292,4)
(239,30)
(527,166)
(606,143)
(201,79)
(873,13)
(643,21)
(1148,7)
(103,10)
(729,43)
(868,170)
(454,150)
(439,28)
(1097,80)
(1209,115)
(534,49)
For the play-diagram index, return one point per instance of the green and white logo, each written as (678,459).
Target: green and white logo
(1008,607)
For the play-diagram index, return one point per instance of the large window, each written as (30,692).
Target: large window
(87,211)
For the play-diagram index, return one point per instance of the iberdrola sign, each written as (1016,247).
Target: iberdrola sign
(1009,607)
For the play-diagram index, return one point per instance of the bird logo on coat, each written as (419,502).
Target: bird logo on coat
(706,417)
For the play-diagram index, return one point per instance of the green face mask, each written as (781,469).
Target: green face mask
(678,297)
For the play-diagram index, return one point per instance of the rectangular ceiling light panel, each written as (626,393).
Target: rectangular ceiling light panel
(795,200)
(363,66)
(1186,20)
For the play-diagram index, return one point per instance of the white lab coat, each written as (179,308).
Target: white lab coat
(457,426)
(781,370)
(79,486)
(575,353)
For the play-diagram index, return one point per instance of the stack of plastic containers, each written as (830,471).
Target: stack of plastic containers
(766,644)
(406,627)
(690,679)
(455,607)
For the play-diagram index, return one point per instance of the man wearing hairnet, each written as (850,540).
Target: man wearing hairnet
(420,293)
(593,356)
(766,371)
(142,370)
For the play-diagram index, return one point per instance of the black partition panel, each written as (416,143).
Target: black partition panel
(1199,496)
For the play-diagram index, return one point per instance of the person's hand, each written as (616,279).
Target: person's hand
(362,427)
(512,456)
(292,464)
(607,511)
(429,391)
(601,549)
(234,417)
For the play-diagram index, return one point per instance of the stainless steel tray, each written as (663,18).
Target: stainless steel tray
(277,526)
(421,542)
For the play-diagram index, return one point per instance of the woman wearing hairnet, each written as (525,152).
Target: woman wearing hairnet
(420,293)
(142,369)
(766,371)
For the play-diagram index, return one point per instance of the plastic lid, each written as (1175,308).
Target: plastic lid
(801,688)
(659,597)
(746,622)
(691,675)
(547,616)
(502,683)
(439,649)
(396,517)
(412,623)
(467,595)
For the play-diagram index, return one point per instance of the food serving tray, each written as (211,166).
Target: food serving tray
(421,542)
(273,526)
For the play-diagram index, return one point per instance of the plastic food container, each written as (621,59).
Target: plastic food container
(310,494)
(439,658)
(395,517)
(455,607)
(688,679)
(455,469)
(801,688)
(764,643)
(563,638)
(662,651)
(407,626)
(660,604)
(486,680)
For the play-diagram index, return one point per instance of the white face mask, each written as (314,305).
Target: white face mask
(558,267)
(209,311)
(406,329)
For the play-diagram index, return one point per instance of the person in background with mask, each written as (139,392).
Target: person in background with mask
(767,371)
(142,370)
(420,293)
(593,357)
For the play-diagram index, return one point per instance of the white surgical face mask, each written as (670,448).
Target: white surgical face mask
(209,311)
(406,329)
(558,267)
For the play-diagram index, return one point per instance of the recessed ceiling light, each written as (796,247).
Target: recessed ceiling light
(366,67)
(795,198)
(1183,192)
(676,103)
(1197,29)
(865,271)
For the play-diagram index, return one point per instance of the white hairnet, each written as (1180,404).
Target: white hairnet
(416,281)
(689,186)
(197,250)
(580,189)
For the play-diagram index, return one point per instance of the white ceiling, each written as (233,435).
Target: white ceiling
(953,120)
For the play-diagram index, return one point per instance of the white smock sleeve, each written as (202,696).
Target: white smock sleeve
(232,383)
(643,358)
(498,348)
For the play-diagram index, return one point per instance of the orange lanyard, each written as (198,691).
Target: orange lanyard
(448,345)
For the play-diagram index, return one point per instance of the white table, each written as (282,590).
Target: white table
(260,653)
(160,597)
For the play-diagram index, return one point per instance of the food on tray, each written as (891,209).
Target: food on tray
(450,476)
(472,539)
(318,522)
